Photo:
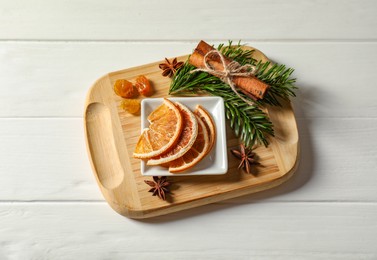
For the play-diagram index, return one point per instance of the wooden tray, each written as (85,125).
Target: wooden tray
(111,136)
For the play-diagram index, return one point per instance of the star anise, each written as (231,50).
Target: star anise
(159,186)
(170,68)
(246,156)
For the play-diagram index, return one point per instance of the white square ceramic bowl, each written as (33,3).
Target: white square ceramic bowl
(216,162)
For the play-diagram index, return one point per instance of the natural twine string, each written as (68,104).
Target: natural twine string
(228,72)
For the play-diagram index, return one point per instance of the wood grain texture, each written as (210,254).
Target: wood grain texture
(51,79)
(112,135)
(265,231)
(49,156)
(50,51)
(173,20)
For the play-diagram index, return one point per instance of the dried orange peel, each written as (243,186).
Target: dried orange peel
(197,152)
(185,141)
(164,130)
(203,114)
(176,138)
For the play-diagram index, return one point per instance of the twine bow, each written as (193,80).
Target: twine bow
(228,72)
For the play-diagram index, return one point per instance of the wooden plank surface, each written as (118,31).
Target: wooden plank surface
(51,51)
(36,79)
(174,20)
(269,231)
(50,154)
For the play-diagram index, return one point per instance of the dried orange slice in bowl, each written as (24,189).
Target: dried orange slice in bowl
(196,153)
(204,115)
(163,132)
(185,141)
(212,163)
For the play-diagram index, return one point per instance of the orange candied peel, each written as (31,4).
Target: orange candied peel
(131,105)
(124,89)
(143,86)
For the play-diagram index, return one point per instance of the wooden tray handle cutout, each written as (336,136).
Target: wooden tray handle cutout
(104,155)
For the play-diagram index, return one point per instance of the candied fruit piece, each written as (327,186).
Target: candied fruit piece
(131,105)
(124,89)
(143,86)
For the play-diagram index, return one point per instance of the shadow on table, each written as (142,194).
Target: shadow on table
(307,96)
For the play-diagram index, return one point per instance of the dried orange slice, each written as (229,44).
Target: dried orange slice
(208,122)
(164,130)
(185,141)
(196,153)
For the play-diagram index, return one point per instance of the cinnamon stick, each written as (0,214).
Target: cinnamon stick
(251,86)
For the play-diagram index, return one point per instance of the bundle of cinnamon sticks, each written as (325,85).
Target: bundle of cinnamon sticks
(249,85)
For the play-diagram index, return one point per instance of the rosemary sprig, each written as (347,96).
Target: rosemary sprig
(250,123)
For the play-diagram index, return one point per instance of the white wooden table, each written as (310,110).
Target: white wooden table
(52,51)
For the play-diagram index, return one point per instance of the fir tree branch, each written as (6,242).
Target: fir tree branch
(250,123)
(278,78)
